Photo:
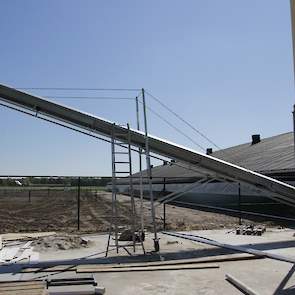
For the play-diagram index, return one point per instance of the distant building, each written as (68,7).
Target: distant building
(273,156)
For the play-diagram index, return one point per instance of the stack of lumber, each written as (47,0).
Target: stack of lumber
(23,288)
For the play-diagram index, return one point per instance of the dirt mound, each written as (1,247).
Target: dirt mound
(59,242)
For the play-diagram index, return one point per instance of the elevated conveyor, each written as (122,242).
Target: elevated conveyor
(215,167)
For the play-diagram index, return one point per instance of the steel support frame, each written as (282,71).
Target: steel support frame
(283,192)
(149,172)
(140,169)
(131,192)
(156,145)
(181,191)
(277,197)
(215,176)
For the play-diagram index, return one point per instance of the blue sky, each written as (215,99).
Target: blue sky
(225,66)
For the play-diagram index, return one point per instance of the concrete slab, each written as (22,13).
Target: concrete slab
(266,276)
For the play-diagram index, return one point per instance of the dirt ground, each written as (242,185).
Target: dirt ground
(21,211)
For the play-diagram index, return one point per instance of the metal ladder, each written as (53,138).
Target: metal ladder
(122,158)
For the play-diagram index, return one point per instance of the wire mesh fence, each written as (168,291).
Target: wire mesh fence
(54,203)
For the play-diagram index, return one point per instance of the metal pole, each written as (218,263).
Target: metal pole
(29,196)
(114,190)
(140,170)
(78,203)
(164,213)
(149,171)
(292,9)
(240,211)
(294,125)
(131,193)
(164,204)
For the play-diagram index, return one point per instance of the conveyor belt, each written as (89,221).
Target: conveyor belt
(219,168)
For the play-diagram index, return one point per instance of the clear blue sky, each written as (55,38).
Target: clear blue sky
(225,66)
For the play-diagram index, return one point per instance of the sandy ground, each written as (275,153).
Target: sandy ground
(57,211)
(264,276)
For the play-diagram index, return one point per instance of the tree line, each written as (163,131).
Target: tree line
(54,181)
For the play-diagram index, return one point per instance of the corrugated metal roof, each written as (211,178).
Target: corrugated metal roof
(271,154)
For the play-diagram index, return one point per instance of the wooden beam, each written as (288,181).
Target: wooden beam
(146,268)
(240,285)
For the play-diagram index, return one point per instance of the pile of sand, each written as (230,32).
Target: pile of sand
(59,242)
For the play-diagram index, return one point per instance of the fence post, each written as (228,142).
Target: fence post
(164,204)
(78,203)
(240,209)
(164,213)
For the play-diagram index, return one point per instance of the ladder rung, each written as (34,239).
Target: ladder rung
(119,246)
(121,172)
(122,162)
(120,134)
(127,245)
(122,153)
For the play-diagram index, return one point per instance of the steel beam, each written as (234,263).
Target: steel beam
(231,247)
(156,145)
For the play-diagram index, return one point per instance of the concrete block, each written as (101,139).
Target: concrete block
(99,290)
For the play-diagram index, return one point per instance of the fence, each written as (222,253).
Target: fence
(54,203)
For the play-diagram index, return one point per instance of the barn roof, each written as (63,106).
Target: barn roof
(271,155)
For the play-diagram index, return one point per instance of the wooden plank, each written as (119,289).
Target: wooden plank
(50,269)
(20,287)
(27,245)
(147,268)
(23,288)
(76,292)
(26,236)
(214,259)
(240,285)
(219,258)
(22,283)
(25,292)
